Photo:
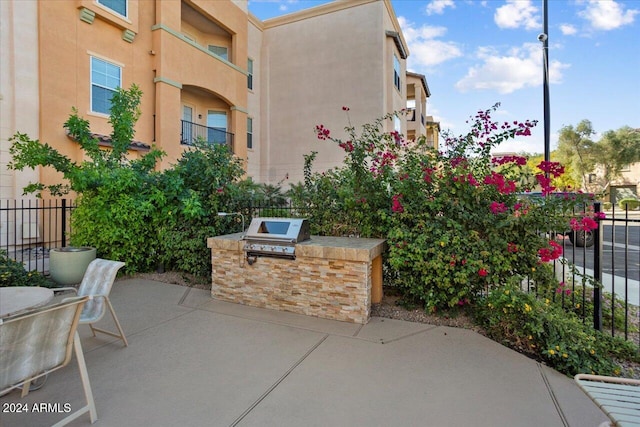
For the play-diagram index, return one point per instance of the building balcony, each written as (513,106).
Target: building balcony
(191,132)
(411,117)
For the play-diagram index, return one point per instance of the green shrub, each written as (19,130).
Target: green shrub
(204,181)
(629,204)
(13,273)
(607,206)
(119,200)
(616,314)
(541,328)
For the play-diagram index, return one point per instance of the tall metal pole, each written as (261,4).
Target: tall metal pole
(544,38)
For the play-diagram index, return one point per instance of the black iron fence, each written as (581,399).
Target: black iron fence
(29,228)
(600,282)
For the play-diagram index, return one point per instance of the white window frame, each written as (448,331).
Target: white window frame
(397,82)
(250,73)
(225,129)
(250,133)
(103,85)
(107,5)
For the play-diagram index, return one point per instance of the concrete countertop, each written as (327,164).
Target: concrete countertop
(345,248)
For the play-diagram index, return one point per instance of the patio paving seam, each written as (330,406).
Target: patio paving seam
(355,334)
(108,341)
(302,328)
(184,296)
(431,328)
(277,383)
(552,395)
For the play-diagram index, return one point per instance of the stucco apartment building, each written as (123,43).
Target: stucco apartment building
(207,69)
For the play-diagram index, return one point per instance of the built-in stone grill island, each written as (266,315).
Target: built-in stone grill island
(330,277)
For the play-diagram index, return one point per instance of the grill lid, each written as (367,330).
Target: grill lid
(278,230)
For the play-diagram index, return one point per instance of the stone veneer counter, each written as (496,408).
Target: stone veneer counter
(332,277)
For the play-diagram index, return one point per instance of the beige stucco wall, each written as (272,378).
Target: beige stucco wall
(19,100)
(315,65)
(256,156)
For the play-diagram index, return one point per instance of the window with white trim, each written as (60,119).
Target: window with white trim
(396,72)
(106,78)
(249,132)
(250,73)
(118,6)
(221,51)
(217,127)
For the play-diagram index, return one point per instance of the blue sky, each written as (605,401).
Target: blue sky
(477,53)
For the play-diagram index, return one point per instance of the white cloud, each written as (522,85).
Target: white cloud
(568,29)
(425,50)
(607,14)
(519,68)
(438,6)
(517,14)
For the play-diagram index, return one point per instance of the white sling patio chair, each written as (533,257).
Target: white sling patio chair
(96,284)
(40,341)
(619,398)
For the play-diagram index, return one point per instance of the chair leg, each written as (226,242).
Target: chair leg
(115,319)
(25,389)
(86,385)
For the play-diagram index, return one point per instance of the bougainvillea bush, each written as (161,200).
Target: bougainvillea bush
(457,221)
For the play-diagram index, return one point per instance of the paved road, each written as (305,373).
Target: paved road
(620,259)
(620,252)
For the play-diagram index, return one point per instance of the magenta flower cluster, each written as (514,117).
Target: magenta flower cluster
(554,251)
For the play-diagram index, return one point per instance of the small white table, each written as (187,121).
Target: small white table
(14,299)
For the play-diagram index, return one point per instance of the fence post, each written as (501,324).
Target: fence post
(597,269)
(64,222)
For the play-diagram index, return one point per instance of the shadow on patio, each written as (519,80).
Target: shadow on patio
(195,361)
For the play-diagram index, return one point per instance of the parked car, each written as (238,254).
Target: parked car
(579,238)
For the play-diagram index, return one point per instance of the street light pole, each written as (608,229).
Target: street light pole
(544,38)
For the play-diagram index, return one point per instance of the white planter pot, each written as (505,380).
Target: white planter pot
(67,265)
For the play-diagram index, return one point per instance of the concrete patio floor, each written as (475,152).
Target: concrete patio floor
(195,361)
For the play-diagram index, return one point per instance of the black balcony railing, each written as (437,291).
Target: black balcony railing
(193,131)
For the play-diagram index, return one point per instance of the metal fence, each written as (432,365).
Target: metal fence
(29,228)
(601,283)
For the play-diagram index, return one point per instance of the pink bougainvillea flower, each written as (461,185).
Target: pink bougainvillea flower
(550,253)
(482,272)
(345,108)
(397,205)
(346,146)
(497,180)
(322,132)
(585,224)
(497,208)
(545,183)
(518,160)
(554,169)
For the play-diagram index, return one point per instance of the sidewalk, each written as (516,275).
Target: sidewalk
(194,361)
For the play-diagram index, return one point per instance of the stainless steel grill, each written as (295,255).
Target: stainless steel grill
(275,237)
